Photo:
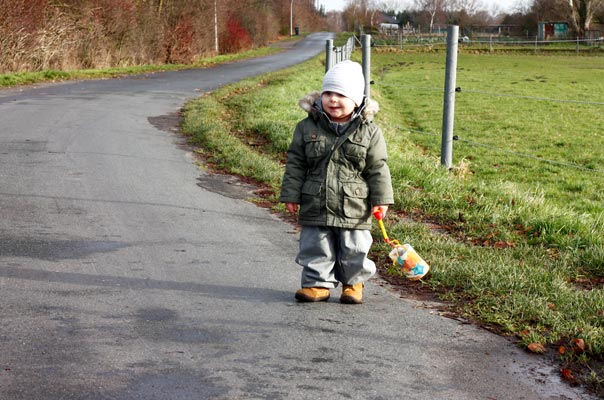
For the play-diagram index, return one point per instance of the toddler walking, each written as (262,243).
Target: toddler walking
(336,176)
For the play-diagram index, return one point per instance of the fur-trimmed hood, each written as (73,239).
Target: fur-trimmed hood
(311,104)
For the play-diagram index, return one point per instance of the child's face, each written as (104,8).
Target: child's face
(337,106)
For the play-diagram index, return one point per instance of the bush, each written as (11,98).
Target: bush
(36,35)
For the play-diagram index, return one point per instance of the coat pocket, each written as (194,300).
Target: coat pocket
(356,147)
(355,200)
(314,145)
(310,199)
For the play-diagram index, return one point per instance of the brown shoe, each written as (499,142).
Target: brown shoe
(352,294)
(312,294)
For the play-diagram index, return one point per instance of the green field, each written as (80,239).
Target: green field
(514,232)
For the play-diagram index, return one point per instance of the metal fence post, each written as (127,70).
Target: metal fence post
(366,60)
(446,154)
(328,53)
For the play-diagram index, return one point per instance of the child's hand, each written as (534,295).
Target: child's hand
(292,207)
(381,209)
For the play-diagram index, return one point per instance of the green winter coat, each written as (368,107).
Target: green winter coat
(336,179)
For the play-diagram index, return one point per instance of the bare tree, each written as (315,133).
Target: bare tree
(432,7)
(388,5)
(582,13)
(461,12)
(548,10)
(469,6)
(354,14)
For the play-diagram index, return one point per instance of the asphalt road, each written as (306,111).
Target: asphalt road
(122,278)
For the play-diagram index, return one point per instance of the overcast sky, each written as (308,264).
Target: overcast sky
(491,5)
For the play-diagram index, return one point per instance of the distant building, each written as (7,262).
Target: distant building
(388,24)
(552,30)
(500,30)
(596,33)
(388,28)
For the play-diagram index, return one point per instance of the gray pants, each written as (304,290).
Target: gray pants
(332,255)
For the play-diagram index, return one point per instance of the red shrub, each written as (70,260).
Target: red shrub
(235,38)
(180,42)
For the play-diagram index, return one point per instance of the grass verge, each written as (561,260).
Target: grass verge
(522,256)
(28,78)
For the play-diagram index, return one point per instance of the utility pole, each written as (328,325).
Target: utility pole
(446,154)
(291,18)
(216,27)
(366,60)
(328,54)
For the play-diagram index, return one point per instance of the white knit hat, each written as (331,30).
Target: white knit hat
(346,78)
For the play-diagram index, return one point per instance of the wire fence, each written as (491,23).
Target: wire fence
(492,43)
(459,137)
